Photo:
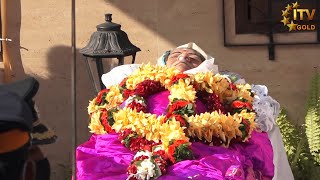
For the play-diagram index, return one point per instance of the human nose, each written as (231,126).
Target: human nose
(183,57)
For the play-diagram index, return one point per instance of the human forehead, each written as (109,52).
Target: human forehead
(184,50)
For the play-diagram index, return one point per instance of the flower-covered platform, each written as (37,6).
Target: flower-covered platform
(103,157)
(159,123)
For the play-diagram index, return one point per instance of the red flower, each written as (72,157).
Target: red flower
(233,86)
(179,142)
(161,164)
(104,115)
(132,169)
(239,104)
(135,144)
(100,94)
(138,106)
(127,93)
(178,117)
(216,141)
(172,149)
(213,103)
(148,87)
(177,105)
(160,153)
(123,82)
(246,124)
(124,133)
(140,143)
(104,121)
(133,178)
(141,158)
(176,78)
(147,148)
(196,87)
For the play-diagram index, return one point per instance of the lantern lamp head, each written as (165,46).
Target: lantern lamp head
(109,41)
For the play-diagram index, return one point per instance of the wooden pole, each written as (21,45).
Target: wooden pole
(73,89)
(5,49)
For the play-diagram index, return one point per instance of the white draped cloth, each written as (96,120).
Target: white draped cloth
(265,106)
(267,110)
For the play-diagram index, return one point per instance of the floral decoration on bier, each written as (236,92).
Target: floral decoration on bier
(166,139)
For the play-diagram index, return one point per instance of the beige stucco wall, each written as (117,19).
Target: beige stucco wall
(41,47)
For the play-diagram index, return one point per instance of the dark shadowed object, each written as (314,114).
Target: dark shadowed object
(108,42)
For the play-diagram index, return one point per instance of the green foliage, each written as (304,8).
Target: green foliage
(313,118)
(290,134)
(296,145)
(110,115)
(302,143)
(183,152)
(187,110)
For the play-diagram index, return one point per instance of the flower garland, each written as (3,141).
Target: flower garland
(166,139)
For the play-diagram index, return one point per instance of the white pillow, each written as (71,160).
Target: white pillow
(117,74)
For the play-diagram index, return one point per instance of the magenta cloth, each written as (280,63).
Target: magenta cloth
(157,104)
(103,157)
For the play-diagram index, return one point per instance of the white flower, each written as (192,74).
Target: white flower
(135,98)
(157,148)
(146,170)
(143,153)
(227,77)
(140,102)
(128,101)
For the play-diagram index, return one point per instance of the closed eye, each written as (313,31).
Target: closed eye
(175,54)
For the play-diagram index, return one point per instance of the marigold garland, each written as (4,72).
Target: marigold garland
(122,109)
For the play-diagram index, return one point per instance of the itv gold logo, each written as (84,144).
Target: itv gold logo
(298,14)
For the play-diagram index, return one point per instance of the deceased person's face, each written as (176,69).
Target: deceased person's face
(184,59)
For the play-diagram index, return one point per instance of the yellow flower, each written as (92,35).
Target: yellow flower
(204,126)
(114,97)
(207,125)
(220,84)
(251,118)
(245,92)
(230,127)
(171,131)
(144,124)
(165,75)
(182,90)
(121,119)
(204,81)
(199,77)
(95,125)
(92,106)
(149,72)
(152,128)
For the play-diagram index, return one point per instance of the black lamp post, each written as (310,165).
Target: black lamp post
(109,41)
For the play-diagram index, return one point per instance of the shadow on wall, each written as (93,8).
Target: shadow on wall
(13,32)
(54,103)
(178,22)
(57,91)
